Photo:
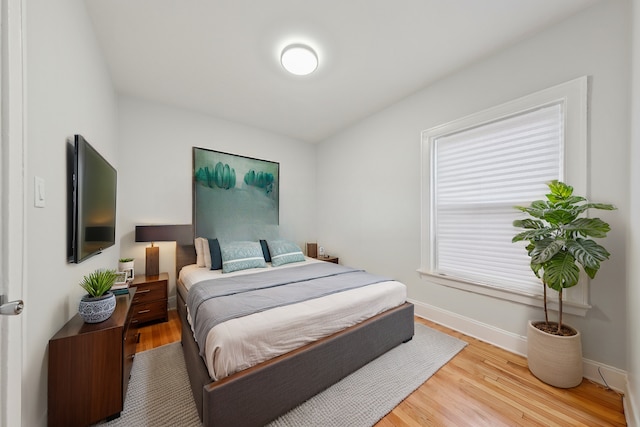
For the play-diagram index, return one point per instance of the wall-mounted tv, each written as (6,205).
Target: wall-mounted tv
(92,201)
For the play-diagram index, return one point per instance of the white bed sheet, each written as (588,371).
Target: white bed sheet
(244,342)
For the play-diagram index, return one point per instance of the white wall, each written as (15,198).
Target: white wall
(369,200)
(155,147)
(632,399)
(68,91)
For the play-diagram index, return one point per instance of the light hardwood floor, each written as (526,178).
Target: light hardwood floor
(481,386)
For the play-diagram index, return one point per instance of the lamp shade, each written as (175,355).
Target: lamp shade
(182,233)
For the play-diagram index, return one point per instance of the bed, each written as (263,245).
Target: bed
(259,390)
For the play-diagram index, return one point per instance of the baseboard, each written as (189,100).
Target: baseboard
(631,408)
(614,377)
(171,303)
(500,338)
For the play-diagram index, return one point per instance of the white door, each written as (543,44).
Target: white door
(12,209)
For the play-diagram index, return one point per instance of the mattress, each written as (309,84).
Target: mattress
(241,343)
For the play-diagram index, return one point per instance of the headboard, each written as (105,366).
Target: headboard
(234,198)
(185,255)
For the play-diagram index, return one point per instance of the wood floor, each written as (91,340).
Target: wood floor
(481,386)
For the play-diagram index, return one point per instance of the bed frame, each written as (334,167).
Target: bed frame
(260,394)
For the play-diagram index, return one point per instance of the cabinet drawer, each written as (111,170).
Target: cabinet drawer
(150,292)
(129,352)
(150,311)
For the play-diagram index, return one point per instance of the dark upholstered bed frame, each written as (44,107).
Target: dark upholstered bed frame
(260,394)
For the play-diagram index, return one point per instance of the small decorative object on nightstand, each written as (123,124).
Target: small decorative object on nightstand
(99,302)
(329,258)
(126,265)
(150,301)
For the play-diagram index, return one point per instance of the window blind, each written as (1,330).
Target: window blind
(479,175)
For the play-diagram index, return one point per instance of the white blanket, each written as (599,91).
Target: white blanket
(241,343)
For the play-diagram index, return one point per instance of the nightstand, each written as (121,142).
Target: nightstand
(89,367)
(150,301)
(333,259)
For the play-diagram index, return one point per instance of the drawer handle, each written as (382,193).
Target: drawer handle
(143,311)
(144,291)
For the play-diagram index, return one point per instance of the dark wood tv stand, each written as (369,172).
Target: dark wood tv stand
(89,367)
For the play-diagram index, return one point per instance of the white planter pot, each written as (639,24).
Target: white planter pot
(554,359)
(98,309)
(128,268)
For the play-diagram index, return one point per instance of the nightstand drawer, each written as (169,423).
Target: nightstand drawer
(150,311)
(150,292)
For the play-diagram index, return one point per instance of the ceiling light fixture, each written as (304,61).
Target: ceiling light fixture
(299,59)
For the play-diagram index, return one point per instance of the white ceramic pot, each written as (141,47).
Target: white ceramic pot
(126,267)
(555,360)
(97,309)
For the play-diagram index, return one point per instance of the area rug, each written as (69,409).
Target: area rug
(159,393)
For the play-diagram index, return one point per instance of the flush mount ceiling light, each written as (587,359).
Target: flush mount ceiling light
(299,59)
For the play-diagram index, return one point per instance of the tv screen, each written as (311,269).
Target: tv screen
(93,202)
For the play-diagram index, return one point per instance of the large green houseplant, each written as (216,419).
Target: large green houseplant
(560,245)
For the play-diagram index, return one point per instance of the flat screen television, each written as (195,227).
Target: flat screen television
(92,201)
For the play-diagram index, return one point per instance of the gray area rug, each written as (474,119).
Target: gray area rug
(159,393)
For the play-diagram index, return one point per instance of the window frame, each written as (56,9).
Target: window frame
(573,96)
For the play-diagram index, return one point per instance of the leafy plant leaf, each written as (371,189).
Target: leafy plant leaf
(531,235)
(528,223)
(559,190)
(601,206)
(546,249)
(561,271)
(594,227)
(560,216)
(587,252)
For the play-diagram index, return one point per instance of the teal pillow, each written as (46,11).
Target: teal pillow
(216,256)
(284,252)
(241,256)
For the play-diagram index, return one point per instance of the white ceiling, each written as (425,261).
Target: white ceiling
(221,57)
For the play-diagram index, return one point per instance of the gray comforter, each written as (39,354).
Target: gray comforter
(214,301)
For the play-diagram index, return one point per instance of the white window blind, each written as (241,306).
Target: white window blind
(479,175)
(477,168)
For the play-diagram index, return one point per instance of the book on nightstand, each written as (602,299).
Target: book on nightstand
(120,288)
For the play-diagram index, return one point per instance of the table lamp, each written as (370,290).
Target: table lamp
(182,233)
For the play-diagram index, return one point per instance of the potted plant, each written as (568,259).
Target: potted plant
(126,265)
(559,247)
(99,303)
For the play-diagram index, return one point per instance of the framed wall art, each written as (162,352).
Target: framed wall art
(234,197)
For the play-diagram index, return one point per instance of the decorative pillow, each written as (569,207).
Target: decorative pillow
(216,255)
(197,242)
(284,252)
(265,250)
(241,256)
(206,253)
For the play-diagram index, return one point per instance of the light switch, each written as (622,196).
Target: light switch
(38,192)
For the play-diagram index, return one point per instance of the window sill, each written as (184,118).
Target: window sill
(569,307)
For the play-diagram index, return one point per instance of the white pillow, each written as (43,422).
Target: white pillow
(206,251)
(199,251)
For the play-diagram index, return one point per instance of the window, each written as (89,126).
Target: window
(477,168)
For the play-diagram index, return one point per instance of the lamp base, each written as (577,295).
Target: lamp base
(152,261)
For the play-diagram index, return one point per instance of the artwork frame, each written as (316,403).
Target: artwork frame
(235,197)
(121,279)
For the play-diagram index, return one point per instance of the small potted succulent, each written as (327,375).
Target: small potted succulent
(561,245)
(99,303)
(126,265)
